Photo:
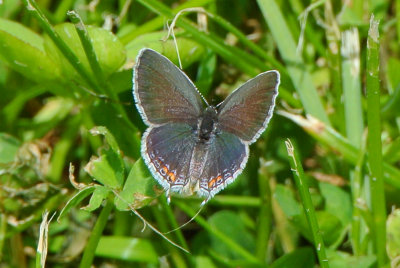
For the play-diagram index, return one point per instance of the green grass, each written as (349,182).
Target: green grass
(70,135)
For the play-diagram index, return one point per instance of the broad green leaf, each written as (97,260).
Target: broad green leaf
(100,130)
(109,50)
(122,82)
(393,67)
(329,224)
(76,199)
(204,261)
(337,202)
(389,108)
(108,169)
(287,202)
(300,258)
(55,109)
(23,49)
(352,15)
(8,148)
(13,108)
(233,226)
(100,193)
(128,138)
(330,227)
(339,259)
(9,8)
(140,188)
(127,249)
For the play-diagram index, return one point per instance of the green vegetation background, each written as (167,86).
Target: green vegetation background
(70,134)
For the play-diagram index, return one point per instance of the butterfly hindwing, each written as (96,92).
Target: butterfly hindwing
(247,111)
(167,151)
(162,92)
(226,158)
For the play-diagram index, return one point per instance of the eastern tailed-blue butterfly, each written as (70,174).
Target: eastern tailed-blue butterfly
(189,148)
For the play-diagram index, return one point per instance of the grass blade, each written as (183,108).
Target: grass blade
(352,86)
(301,183)
(90,249)
(354,123)
(294,62)
(374,144)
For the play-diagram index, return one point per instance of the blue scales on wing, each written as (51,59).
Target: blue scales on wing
(227,157)
(167,151)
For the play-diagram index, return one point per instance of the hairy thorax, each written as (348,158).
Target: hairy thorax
(208,125)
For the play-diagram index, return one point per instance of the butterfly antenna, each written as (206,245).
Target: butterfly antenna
(201,12)
(204,99)
(186,223)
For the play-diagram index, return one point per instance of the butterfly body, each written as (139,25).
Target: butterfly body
(191,149)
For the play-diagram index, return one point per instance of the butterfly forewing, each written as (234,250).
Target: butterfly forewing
(247,111)
(163,93)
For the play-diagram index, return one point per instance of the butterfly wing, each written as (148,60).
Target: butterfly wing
(226,158)
(167,151)
(247,111)
(162,92)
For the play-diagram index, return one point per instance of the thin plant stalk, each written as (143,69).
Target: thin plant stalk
(374,144)
(356,191)
(302,186)
(265,213)
(354,123)
(352,86)
(90,249)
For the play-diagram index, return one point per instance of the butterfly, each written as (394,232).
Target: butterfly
(191,148)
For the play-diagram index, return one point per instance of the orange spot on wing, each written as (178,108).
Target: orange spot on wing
(165,169)
(172,176)
(211,183)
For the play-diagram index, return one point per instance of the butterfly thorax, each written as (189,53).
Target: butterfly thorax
(207,124)
(206,131)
